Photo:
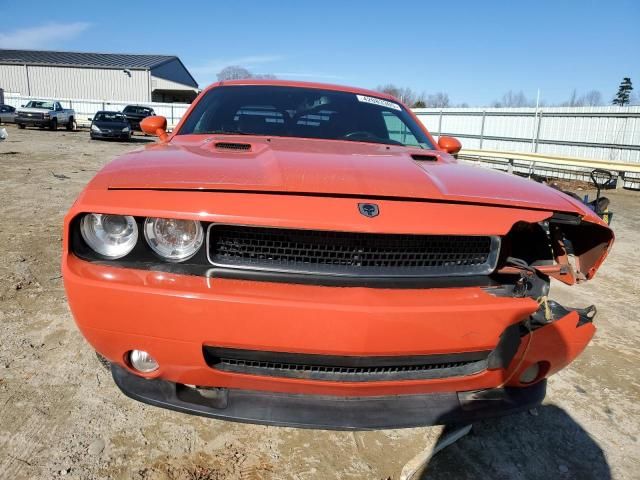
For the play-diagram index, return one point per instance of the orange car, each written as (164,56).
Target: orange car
(306,254)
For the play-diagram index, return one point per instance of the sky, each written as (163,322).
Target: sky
(474,51)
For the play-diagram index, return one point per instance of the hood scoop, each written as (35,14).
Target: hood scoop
(421,157)
(233,146)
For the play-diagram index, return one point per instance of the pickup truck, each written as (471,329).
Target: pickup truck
(45,113)
(136,113)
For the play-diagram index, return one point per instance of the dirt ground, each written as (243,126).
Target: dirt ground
(62,416)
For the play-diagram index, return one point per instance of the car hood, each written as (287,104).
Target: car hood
(33,110)
(322,167)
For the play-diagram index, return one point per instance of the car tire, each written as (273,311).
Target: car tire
(21,126)
(54,124)
(71,124)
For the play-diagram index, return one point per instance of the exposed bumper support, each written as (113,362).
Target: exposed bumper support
(330,412)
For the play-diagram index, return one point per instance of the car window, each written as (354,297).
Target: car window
(40,104)
(110,117)
(303,112)
(397,130)
(128,109)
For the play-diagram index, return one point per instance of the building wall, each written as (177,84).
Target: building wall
(175,72)
(13,78)
(76,82)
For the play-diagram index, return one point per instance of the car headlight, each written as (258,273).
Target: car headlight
(94,128)
(112,236)
(172,239)
(126,129)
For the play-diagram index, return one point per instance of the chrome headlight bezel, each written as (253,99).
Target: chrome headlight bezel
(162,246)
(103,237)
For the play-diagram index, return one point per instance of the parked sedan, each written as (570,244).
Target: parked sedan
(7,114)
(110,125)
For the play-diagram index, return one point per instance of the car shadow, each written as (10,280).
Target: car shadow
(549,444)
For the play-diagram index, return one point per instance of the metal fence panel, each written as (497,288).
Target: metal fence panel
(86,109)
(608,133)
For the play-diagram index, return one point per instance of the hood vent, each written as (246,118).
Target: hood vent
(424,158)
(235,147)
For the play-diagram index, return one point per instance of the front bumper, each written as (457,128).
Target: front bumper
(39,122)
(111,135)
(330,412)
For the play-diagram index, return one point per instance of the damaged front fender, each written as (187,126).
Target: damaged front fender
(555,336)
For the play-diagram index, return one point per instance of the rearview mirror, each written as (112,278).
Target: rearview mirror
(449,144)
(155,125)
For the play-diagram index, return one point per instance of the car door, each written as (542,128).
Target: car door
(61,114)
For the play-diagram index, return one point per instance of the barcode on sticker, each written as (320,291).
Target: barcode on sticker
(378,101)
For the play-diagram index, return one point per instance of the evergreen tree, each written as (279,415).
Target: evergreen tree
(624,92)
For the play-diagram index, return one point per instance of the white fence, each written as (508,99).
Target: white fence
(606,133)
(86,109)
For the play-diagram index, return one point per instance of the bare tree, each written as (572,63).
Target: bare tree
(404,94)
(233,72)
(512,99)
(593,98)
(438,100)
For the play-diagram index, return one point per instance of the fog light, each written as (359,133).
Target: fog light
(530,374)
(142,361)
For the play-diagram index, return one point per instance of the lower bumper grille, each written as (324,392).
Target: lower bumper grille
(351,254)
(345,368)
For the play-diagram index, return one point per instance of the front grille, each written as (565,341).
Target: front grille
(345,253)
(32,116)
(347,369)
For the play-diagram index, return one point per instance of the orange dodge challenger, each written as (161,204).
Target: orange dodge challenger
(307,255)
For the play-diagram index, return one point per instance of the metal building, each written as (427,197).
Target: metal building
(110,76)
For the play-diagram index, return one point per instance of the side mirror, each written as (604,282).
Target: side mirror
(449,144)
(22,106)
(155,125)
(90,119)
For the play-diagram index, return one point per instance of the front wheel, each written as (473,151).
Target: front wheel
(54,124)
(21,126)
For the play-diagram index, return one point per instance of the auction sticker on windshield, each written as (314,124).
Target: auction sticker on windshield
(378,101)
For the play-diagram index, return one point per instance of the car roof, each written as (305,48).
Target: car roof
(291,83)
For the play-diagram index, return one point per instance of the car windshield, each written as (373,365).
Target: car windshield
(109,117)
(305,113)
(40,104)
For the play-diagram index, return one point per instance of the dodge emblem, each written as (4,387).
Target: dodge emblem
(369,209)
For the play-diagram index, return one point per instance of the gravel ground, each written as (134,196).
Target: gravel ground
(61,415)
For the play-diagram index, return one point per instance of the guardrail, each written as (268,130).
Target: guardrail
(627,174)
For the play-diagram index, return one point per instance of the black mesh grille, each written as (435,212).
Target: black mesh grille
(310,251)
(353,369)
(239,147)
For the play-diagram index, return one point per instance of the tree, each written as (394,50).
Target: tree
(404,94)
(512,99)
(438,100)
(419,104)
(624,92)
(592,98)
(235,72)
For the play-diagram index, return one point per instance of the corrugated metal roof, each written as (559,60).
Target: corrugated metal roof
(85,59)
